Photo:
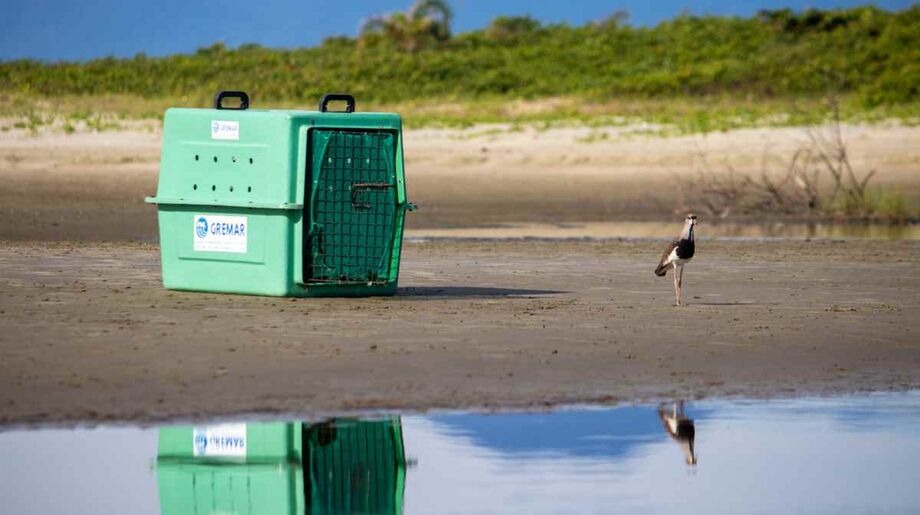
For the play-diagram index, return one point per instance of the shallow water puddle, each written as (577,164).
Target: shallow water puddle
(729,231)
(831,455)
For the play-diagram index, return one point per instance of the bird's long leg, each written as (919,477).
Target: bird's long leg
(676,285)
(679,275)
(680,279)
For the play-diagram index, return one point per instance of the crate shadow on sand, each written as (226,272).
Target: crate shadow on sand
(469,292)
(733,303)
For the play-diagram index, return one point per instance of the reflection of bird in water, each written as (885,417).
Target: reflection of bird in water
(679,427)
(678,253)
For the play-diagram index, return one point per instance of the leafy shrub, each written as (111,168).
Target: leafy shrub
(868,52)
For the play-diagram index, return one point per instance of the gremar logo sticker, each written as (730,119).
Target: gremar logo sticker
(225,130)
(217,233)
(221,440)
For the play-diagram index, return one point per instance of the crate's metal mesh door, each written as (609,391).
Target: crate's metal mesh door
(352,206)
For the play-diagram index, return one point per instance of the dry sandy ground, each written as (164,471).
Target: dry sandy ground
(91,186)
(88,334)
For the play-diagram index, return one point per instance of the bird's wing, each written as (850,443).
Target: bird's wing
(663,263)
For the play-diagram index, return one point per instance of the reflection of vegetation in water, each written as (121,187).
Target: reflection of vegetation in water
(339,466)
(701,73)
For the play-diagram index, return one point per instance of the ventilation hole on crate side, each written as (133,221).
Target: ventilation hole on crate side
(196,157)
(233,158)
(250,160)
(215,159)
(231,188)
(213,187)
(249,189)
(194,186)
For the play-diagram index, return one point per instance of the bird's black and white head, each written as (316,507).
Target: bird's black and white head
(689,224)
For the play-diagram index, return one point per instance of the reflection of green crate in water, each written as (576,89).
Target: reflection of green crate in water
(295,203)
(246,468)
(341,466)
(354,466)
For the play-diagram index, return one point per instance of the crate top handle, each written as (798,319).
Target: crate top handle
(220,96)
(331,97)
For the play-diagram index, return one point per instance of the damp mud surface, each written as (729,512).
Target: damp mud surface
(87,332)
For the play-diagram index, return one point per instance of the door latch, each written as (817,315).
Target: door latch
(359,188)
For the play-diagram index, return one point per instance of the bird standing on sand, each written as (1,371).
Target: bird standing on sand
(677,254)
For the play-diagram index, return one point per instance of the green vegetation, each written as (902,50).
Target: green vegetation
(426,24)
(695,73)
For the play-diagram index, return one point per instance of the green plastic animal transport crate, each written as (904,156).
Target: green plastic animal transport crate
(281,202)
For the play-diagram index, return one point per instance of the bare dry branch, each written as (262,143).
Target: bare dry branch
(793,187)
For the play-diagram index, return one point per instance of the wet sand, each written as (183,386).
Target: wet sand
(87,333)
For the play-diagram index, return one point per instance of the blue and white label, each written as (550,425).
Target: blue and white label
(219,233)
(224,440)
(225,130)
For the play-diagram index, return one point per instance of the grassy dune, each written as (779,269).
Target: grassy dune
(692,73)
